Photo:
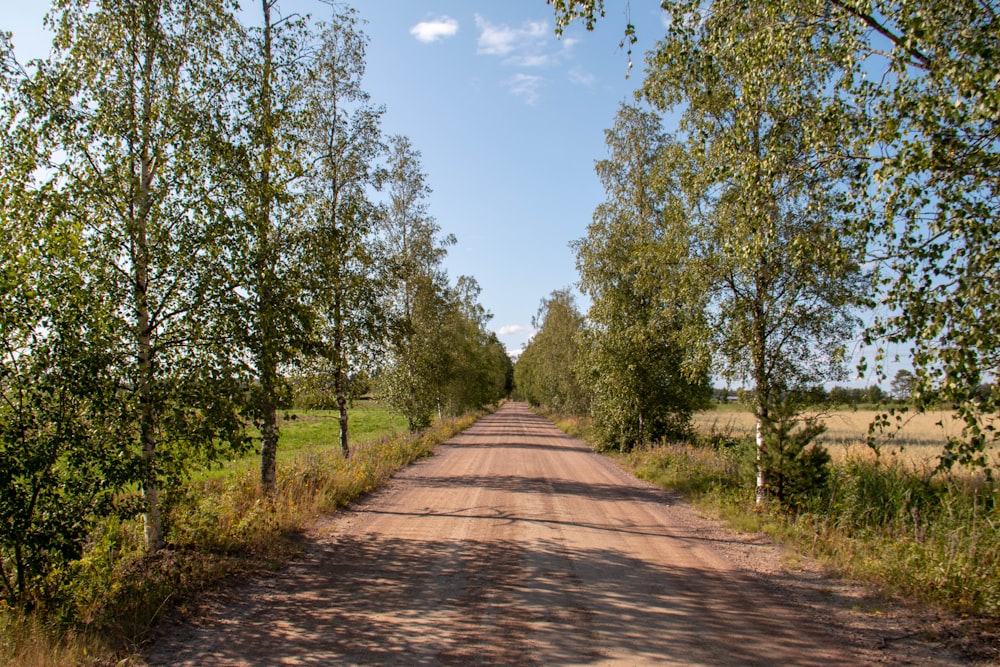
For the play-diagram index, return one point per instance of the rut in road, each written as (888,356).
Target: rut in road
(514,545)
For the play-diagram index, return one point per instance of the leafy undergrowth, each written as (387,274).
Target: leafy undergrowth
(935,539)
(216,528)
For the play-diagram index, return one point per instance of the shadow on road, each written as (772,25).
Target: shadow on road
(393,601)
(511,581)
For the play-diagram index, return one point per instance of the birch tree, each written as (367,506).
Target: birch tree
(472,367)
(123,106)
(267,120)
(484,369)
(644,355)
(923,78)
(771,213)
(65,461)
(928,77)
(545,373)
(344,138)
(414,252)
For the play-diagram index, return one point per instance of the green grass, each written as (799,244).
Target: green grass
(308,432)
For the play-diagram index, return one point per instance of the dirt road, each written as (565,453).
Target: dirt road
(516,545)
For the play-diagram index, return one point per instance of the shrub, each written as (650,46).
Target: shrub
(929,538)
(796,468)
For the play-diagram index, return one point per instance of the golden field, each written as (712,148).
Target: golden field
(916,439)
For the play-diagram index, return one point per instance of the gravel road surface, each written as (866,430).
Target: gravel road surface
(516,545)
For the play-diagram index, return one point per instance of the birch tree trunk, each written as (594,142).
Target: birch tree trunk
(266,358)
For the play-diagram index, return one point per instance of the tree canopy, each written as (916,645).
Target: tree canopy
(545,372)
(190,198)
(919,82)
(643,355)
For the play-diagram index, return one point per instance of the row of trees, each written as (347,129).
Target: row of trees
(831,157)
(900,390)
(190,213)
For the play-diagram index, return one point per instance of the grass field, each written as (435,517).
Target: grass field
(307,432)
(917,442)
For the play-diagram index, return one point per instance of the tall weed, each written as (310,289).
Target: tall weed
(926,538)
(697,471)
(30,641)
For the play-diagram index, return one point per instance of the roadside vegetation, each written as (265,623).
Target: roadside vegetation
(218,525)
(886,521)
(204,228)
(829,183)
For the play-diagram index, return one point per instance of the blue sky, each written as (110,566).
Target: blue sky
(510,120)
(508,117)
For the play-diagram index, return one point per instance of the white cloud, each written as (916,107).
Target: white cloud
(537,60)
(581,78)
(525,46)
(432,31)
(525,86)
(532,45)
(511,329)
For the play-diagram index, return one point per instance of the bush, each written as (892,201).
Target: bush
(698,471)
(796,468)
(928,538)
(63,467)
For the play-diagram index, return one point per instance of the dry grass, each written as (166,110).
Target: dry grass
(27,644)
(915,441)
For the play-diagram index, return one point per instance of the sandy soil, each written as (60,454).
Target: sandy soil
(516,545)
